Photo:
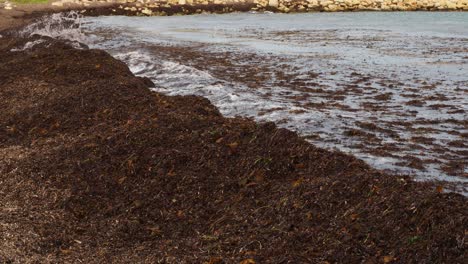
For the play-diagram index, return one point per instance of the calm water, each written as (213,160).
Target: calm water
(390,88)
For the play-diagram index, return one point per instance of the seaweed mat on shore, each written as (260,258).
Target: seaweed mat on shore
(95,168)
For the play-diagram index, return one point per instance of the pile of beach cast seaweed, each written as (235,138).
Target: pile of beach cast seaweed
(96,168)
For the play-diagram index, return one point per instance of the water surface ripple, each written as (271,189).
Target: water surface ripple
(390,88)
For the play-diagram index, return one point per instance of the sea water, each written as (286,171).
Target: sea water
(388,87)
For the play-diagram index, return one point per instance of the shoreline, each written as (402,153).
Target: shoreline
(101,164)
(12,15)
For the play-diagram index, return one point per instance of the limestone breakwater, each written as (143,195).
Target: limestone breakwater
(171,7)
(153,7)
(146,7)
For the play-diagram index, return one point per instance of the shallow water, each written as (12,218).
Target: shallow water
(390,88)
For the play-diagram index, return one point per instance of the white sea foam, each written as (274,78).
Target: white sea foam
(28,45)
(64,26)
(172,78)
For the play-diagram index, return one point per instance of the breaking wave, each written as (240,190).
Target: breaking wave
(65,26)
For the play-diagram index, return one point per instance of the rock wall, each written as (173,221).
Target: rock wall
(374,5)
(171,7)
(168,7)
